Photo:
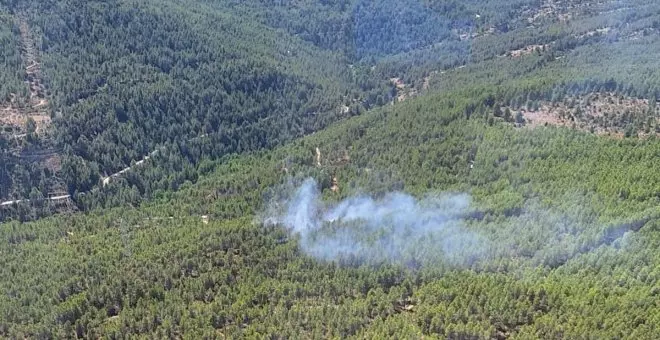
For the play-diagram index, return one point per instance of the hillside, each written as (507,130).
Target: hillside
(124,79)
(568,218)
(179,85)
(491,173)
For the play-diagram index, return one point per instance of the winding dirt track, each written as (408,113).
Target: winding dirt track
(55,198)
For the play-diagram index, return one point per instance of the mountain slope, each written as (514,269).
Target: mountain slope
(474,219)
(162,270)
(126,79)
(181,83)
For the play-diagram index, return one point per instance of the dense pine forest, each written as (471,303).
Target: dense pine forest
(479,169)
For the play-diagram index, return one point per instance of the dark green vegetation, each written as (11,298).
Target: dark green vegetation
(572,219)
(160,270)
(189,83)
(133,78)
(11,73)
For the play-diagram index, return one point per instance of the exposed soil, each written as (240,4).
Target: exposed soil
(20,111)
(527,50)
(465,35)
(335,185)
(600,113)
(604,30)
(15,114)
(403,90)
(427,81)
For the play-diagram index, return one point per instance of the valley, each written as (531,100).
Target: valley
(478,169)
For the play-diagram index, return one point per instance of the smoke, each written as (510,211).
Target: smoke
(442,230)
(394,228)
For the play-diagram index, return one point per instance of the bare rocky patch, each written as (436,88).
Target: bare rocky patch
(20,116)
(600,113)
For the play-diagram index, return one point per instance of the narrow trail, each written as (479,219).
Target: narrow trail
(106,180)
(54,198)
(36,107)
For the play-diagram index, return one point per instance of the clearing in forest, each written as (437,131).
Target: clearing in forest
(15,114)
(600,113)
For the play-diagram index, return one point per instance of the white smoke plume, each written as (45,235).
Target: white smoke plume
(399,228)
(394,228)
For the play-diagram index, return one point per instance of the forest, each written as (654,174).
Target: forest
(464,170)
(168,84)
(572,220)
